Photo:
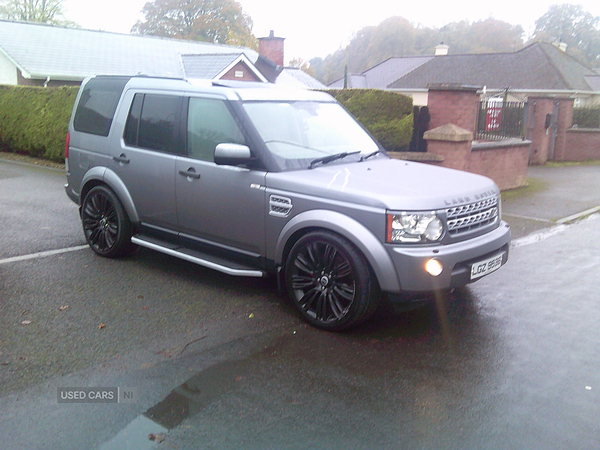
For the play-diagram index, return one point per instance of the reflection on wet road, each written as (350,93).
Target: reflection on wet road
(512,362)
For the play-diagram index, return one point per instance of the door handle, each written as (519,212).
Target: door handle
(190,173)
(121,159)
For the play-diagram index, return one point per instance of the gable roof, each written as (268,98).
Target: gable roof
(214,66)
(294,77)
(538,66)
(42,51)
(383,74)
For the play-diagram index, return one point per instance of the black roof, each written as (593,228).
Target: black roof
(539,66)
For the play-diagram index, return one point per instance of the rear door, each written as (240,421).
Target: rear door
(146,156)
(220,208)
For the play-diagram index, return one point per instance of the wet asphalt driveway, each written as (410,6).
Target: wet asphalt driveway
(512,362)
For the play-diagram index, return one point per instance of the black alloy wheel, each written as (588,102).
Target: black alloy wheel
(106,225)
(330,282)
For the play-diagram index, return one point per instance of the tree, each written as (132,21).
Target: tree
(303,65)
(397,36)
(42,11)
(484,36)
(218,21)
(573,26)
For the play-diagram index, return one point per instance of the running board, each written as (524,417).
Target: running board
(202,259)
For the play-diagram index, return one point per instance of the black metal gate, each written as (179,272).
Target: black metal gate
(501,119)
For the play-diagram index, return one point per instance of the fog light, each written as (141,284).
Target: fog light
(434,267)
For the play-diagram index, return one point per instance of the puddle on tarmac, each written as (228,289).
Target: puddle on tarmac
(366,351)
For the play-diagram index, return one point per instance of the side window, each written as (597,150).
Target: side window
(210,123)
(152,122)
(132,127)
(97,105)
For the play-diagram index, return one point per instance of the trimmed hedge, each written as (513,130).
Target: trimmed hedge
(587,117)
(34,120)
(387,115)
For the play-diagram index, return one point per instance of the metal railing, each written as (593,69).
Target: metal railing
(498,119)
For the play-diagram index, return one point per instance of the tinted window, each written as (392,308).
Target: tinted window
(210,123)
(152,122)
(132,127)
(97,105)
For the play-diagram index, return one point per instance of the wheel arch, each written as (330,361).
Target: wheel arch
(102,175)
(360,236)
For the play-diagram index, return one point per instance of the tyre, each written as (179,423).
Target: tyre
(106,226)
(330,282)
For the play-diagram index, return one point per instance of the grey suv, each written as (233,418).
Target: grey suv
(250,179)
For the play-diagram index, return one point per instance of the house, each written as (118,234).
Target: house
(45,55)
(538,69)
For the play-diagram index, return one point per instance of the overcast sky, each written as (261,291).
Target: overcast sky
(319,27)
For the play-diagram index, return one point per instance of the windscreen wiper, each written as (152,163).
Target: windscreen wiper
(328,159)
(362,158)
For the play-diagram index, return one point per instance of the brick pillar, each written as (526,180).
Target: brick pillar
(564,122)
(540,136)
(451,142)
(271,48)
(454,104)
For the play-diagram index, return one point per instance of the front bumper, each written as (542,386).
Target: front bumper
(456,260)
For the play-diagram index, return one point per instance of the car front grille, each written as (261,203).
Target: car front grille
(465,218)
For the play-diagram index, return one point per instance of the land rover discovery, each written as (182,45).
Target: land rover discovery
(250,179)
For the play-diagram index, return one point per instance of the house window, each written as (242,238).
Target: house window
(239,74)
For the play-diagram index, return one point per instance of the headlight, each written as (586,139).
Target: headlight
(408,227)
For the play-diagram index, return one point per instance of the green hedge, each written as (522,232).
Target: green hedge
(34,120)
(387,115)
(587,117)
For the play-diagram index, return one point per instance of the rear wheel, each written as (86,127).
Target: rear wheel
(106,226)
(330,282)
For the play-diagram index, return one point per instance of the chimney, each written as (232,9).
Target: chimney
(562,46)
(441,50)
(272,48)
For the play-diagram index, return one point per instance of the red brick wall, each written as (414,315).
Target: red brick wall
(581,145)
(457,106)
(565,121)
(503,162)
(537,132)
(455,154)
(248,75)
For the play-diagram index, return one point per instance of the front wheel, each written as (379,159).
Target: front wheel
(330,282)
(106,226)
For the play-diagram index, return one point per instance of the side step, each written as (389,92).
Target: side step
(202,259)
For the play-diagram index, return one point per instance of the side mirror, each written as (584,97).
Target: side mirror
(232,155)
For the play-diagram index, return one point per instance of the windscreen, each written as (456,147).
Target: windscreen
(296,133)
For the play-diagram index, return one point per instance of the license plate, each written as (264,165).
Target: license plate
(486,266)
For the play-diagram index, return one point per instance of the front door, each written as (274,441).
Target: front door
(219,207)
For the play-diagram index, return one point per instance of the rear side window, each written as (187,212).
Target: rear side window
(153,122)
(97,105)
(210,123)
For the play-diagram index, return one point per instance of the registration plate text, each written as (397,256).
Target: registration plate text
(486,266)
